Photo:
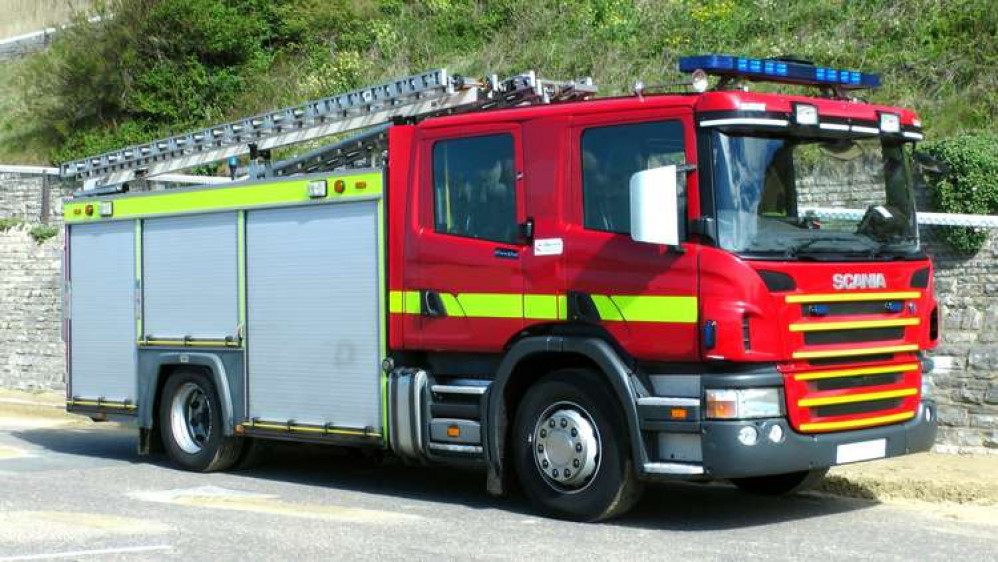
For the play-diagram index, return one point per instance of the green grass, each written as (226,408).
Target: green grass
(149,73)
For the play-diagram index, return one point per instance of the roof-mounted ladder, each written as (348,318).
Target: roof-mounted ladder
(414,97)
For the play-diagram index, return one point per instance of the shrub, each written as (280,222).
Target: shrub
(9,223)
(43,232)
(969,184)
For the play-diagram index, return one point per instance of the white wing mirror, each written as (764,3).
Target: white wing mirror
(655,206)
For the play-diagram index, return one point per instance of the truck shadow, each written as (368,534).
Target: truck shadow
(667,506)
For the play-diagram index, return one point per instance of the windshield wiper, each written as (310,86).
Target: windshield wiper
(794,252)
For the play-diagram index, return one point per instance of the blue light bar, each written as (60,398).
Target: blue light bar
(775,70)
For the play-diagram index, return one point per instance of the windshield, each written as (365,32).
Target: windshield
(813,197)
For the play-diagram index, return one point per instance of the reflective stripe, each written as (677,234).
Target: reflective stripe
(852,297)
(851,398)
(277,426)
(258,194)
(607,309)
(629,308)
(491,305)
(853,352)
(857,372)
(101,404)
(395,302)
(541,307)
(824,326)
(451,305)
(641,308)
(403,302)
(851,424)
(191,343)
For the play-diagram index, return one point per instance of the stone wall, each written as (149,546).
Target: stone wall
(965,381)
(32,354)
(21,196)
(31,350)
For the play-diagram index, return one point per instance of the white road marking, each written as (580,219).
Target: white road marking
(76,553)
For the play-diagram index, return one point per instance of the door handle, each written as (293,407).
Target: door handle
(430,304)
(582,308)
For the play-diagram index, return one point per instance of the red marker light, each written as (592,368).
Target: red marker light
(339,186)
(90,210)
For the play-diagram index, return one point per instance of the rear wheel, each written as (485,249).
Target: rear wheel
(190,418)
(781,484)
(570,448)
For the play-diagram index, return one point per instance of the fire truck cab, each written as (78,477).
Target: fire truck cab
(584,296)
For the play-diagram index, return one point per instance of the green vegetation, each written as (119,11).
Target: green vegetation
(9,223)
(162,66)
(42,232)
(969,185)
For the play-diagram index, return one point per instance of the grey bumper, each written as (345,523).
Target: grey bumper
(724,456)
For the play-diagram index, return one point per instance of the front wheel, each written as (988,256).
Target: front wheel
(190,418)
(570,448)
(781,484)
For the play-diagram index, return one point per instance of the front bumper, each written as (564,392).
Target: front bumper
(724,456)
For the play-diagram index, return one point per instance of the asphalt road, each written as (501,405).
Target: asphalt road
(81,492)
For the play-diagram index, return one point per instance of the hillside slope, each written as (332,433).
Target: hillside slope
(162,66)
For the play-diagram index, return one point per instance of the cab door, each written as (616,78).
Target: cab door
(464,252)
(644,295)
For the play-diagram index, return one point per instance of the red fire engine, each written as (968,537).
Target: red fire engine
(582,294)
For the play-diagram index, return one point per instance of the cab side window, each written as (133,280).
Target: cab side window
(611,155)
(474,190)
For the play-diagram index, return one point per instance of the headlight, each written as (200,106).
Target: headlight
(734,404)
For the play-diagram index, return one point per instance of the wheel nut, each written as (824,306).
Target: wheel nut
(567,473)
(564,422)
(544,463)
(540,448)
(555,472)
(551,423)
(544,433)
(575,463)
(578,447)
(575,432)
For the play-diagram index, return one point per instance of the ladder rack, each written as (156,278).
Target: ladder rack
(414,97)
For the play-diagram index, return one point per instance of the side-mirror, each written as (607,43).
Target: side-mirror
(655,206)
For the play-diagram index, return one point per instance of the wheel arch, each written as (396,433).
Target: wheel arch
(542,354)
(163,365)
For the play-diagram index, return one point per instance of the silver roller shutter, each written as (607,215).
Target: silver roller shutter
(313,314)
(190,284)
(102,310)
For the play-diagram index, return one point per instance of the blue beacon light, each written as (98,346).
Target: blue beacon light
(779,70)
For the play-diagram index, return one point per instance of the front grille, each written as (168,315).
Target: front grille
(838,399)
(847,308)
(855,382)
(854,365)
(853,336)
(830,361)
(858,408)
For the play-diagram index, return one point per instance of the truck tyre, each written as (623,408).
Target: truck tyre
(571,450)
(781,484)
(190,418)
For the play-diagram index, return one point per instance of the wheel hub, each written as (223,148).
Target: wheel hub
(566,446)
(190,418)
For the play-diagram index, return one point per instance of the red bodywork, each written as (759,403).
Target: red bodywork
(727,288)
